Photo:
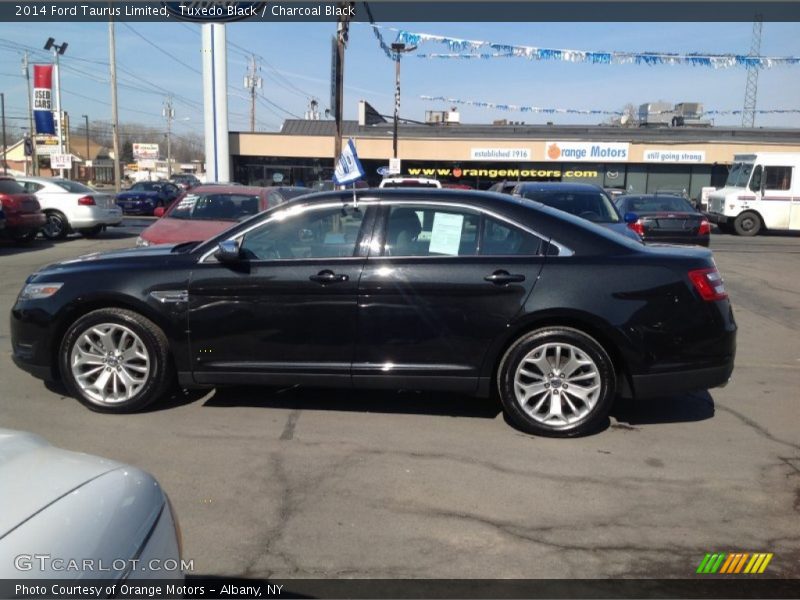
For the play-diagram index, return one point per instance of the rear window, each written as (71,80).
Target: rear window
(415,183)
(73,186)
(657,204)
(146,187)
(9,186)
(215,207)
(592,206)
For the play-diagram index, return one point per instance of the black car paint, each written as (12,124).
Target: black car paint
(428,323)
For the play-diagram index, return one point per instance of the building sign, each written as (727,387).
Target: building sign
(145,151)
(395,166)
(61,161)
(674,156)
(42,99)
(145,164)
(47,145)
(501,154)
(587,151)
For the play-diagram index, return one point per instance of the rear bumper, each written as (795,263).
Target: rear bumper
(682,240)
(656,385)
(91,216)
(23,223)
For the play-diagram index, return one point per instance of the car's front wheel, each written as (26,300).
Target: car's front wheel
(115,360)
(556,381)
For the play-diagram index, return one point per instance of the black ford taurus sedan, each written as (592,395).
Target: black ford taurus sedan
(403,289)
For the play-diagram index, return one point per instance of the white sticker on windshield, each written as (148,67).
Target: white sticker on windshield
(187,202)
(446,234)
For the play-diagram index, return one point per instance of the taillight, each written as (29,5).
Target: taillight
(86,201)
(637,226)
(705,227)
(708,282)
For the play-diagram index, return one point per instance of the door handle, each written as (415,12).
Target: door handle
(503,278)
(326,276)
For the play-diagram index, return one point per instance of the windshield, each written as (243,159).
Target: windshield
(215,207)
(145,187)
(739,175)
(592,206)
(73,186)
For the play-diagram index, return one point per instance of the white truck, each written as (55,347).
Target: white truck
(762,192)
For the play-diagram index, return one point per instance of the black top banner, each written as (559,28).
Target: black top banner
(399,11)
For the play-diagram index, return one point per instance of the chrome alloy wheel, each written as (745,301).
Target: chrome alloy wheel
(110,363)
(557,384)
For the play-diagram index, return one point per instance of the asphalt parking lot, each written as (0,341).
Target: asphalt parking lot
(296,483)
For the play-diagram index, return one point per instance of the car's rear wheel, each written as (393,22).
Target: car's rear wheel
(115,360)
(556,381)
(747,224)
(56,227)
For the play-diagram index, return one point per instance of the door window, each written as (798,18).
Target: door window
(31,187)
(778,178)
(431,231)
(320,233)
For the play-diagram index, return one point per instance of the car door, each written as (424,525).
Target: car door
(286,312)
(441,284)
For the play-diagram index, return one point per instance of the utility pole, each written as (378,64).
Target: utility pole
(86,117)
(252,82)
(342,34)
(751,88)
(34,158)
(3,118)
(398,49)
(112,59)
(168,113)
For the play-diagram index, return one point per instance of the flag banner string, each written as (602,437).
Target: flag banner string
(580,111)
(461,49)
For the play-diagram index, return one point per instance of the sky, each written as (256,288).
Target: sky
(157,59)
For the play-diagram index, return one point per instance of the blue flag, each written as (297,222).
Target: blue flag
(348,167)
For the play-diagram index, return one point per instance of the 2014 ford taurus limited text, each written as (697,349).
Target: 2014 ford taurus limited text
(461,291)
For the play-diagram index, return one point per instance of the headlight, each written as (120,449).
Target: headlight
(141,242)
(37,291)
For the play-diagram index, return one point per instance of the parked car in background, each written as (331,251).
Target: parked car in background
(504,187)
(70,206)
(144,197)
(662,218)
(457,186)
(2,218)
(23,214)
(442,290)
(185,181)
(209,209)
(584,200)
(409,182)
(58,506)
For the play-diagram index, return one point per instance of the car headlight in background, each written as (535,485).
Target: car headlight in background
(37,291)
(141,242)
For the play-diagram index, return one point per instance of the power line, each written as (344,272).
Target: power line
(160,49)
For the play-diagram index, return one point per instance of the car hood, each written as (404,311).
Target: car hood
(34,474)
(175,231)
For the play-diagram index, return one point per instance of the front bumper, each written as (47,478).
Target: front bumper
(31,331)
(716,218)
(136,207)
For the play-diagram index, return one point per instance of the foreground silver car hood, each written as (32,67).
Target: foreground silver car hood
(69,505)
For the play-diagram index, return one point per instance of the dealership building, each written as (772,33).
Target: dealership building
(637,159)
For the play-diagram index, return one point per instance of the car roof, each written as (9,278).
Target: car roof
(558,186)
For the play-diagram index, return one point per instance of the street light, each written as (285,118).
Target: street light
(58,50)
(398,49)
(86,117)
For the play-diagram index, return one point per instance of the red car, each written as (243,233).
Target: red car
(24,216)
(207,210)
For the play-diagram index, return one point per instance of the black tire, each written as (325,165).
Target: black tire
(589,415)
(156,383)
(91,231)
(57,226)
(747,224)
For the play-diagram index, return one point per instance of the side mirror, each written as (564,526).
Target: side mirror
(228,252)
(159,212)
(630,218)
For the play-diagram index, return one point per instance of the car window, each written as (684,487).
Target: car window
(658,204)
(319,233)
(592,206)
(431,231)
(73,187)
(9,186)
(216,207)
(777,178)
(502,239)
(32,187)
